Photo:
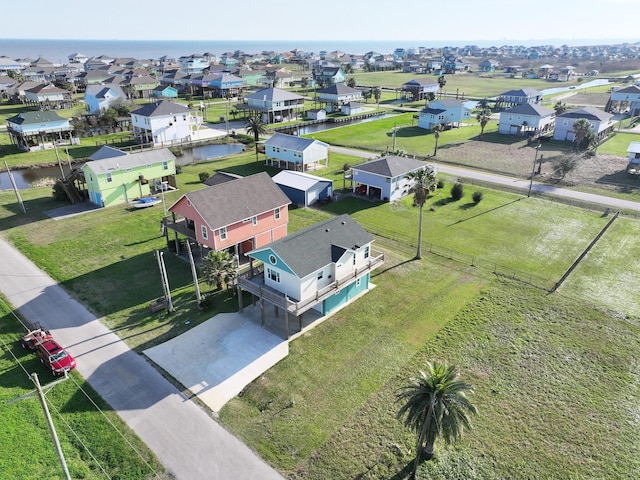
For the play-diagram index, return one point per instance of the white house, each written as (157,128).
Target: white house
(629,96)
(322,267)
(386,178)
(526,119)
(165,123)
(444,112)
(273,105)
(338,94)
(295,153)
(601,123)
(633,165)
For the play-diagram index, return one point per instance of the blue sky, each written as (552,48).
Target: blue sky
(568,21)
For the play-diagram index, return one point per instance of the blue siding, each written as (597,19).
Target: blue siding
(345,294)
(263,256)
(298,197)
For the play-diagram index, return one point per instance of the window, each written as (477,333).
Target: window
(254,221)
(272,259)
(165,165)
(205,232)
(223,233)
(276,213)
(273,275)
(109,178)
(366,251)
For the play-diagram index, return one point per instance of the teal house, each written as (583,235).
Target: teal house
(322,267)
(119,177)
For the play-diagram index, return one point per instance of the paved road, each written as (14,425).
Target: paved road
(187,441)
(512,182)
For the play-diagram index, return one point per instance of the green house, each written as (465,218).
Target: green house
(126,177)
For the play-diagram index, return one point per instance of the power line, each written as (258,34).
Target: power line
(80,440)
(114,426)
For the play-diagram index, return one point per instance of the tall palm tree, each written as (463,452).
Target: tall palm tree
(436,129)
(377,93)
(483,116)
(257,127)
(218,268)
(435,406)
(423,182)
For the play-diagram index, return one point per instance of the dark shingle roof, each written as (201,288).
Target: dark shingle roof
(230,202)
(590,113)
(529,109)
(340,89)
(29,118)
(390,166)
(522,92)
(273,95)
(314,247)
(161,108)
(290,142)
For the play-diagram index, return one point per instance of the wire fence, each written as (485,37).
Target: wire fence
(406,244)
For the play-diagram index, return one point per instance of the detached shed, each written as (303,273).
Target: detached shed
(303,189)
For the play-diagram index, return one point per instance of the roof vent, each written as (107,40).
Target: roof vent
(344,223)
(327,230)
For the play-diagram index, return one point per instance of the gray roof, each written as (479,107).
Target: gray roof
(629,89)
(421,82)
(230,202)
(529,109)
(29,118)
(522,92)
(291,142)
(390,166)
(107,152)
(274,95)
(314,247)
(340,89)
(99,91)
(432,111)
(161,108)
(132,160)
(220,177)
(590,113)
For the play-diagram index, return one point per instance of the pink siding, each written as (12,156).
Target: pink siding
(238,232)
(241,231)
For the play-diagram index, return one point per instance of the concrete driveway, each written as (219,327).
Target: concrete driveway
(188,442)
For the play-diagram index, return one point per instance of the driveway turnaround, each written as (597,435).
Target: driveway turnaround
(188,442)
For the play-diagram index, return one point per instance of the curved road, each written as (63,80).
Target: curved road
(513,182)
(186,440)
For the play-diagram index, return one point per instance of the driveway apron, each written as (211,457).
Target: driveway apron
(188,442)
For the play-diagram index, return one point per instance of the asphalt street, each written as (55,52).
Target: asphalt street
(517,183)
(186,440)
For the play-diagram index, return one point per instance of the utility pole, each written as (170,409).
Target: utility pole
(533,170)
(194,272)
(15,188)
(39,391)
(165,281)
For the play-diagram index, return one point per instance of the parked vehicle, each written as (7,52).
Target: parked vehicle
(34,337)
(55,357)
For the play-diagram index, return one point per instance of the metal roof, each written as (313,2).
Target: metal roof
(298,180)
(291,142)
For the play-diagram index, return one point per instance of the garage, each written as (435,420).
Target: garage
(303,189)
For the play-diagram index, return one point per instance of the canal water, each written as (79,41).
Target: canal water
(27,177)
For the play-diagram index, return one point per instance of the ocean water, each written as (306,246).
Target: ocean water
(58,51)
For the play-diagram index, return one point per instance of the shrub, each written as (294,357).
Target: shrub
(457,191)
(206,302)
(346,167)
(440,184)
(476,197)
(203,176)
(244,139)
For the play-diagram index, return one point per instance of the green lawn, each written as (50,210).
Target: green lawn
(618,144)
(28,452)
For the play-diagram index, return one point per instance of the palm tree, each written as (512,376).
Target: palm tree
(218,268)
(442,81)
(435,405)
(583,135)
(257,127)
(351,82)
(483,116)
(377,93)
(423,182)
(436,129)
(366,94)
